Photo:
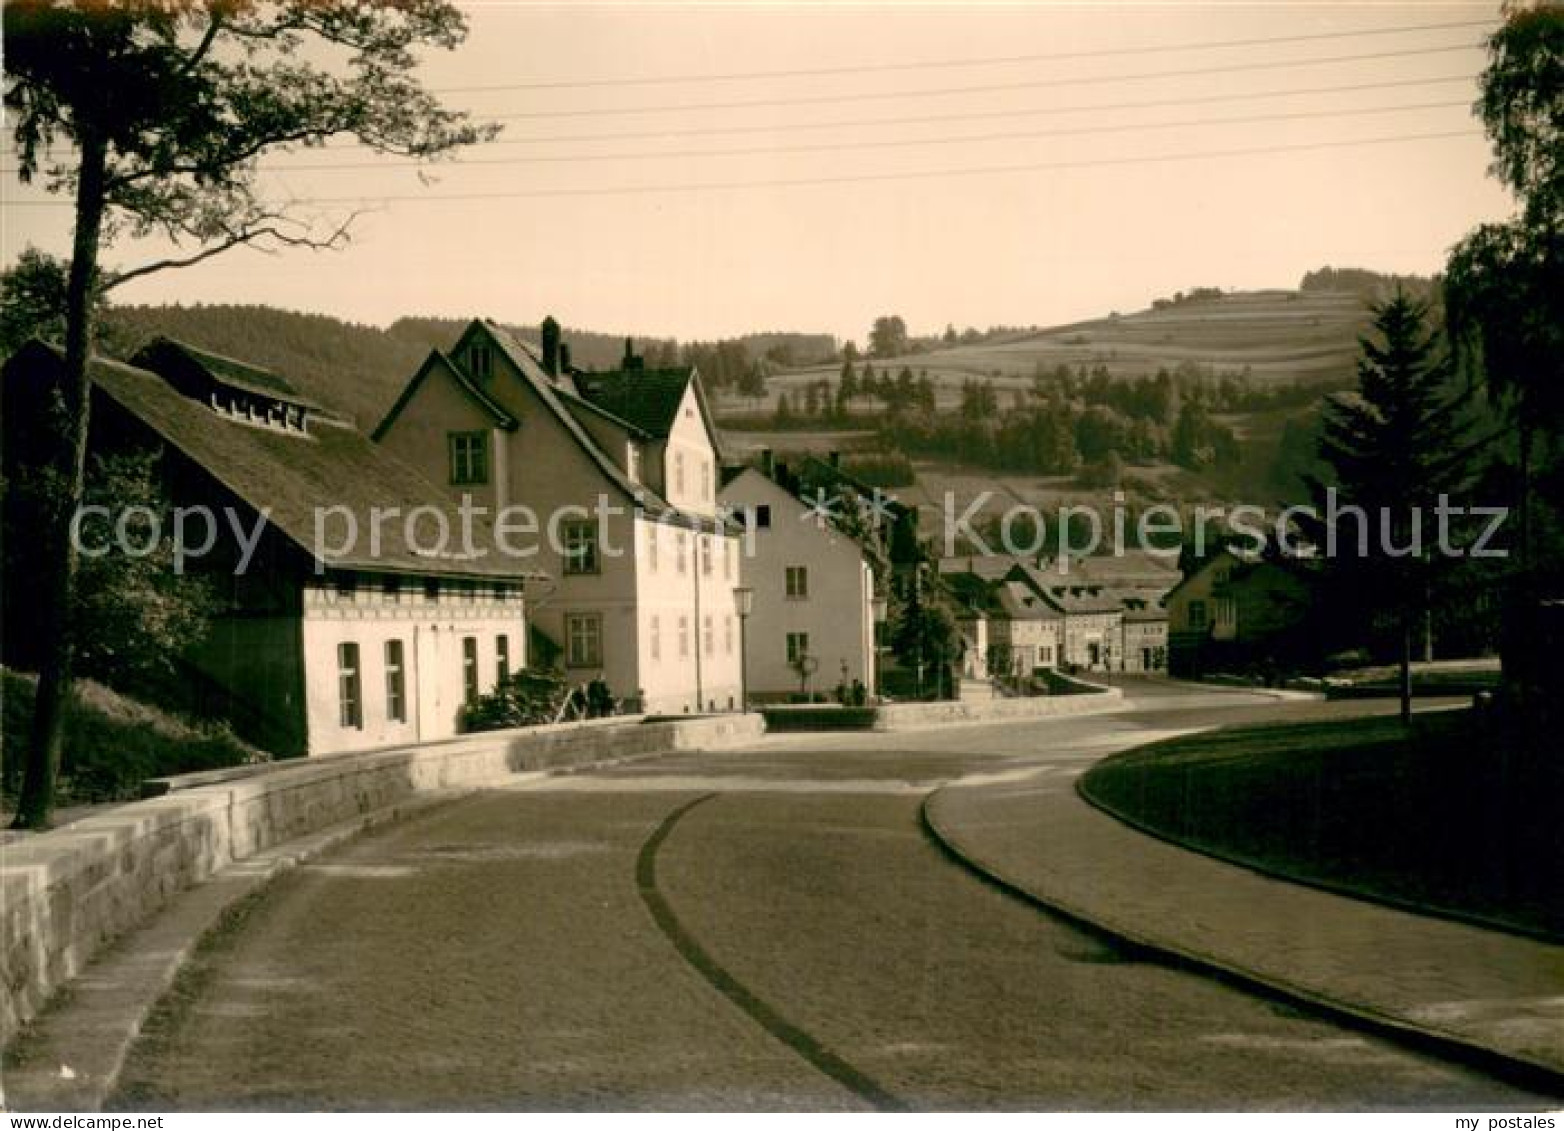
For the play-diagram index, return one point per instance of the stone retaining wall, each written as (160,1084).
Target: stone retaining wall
(910,716)
(66,894)
(1087,698)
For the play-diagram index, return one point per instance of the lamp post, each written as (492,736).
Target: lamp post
(806,666)
(881,609)
(743,605)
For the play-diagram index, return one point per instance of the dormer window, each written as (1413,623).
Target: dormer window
(250,409)
(479,360)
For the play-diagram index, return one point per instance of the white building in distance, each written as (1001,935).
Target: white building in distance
(813,595)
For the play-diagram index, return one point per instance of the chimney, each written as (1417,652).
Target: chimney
(551,344)
(768,463)
(632,359)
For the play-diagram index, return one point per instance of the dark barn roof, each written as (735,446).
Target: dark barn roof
(288,474)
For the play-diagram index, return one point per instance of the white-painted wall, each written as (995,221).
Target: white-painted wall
(431,635)
(690,443)
(1031,642)
(685,669)
(837,614)
(1084,630)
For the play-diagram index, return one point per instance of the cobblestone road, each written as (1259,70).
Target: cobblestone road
(758,929)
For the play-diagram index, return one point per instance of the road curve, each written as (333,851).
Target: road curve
(759,929)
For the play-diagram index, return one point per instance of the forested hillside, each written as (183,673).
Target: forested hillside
(361,369)
(357,369)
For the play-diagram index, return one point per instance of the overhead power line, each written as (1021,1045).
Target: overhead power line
(866,178)
(941,64)
(982,88)
(883,143)
(938,119)
(961,115)
(972,115)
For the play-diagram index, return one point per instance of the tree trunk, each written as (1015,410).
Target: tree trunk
(57,621)
(1519,649)
(1406,668)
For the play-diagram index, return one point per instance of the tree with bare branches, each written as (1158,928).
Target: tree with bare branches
(153,115)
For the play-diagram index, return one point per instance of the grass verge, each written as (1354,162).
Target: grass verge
(112,742)
(1443,818)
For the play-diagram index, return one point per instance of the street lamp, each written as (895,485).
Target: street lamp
(743,605)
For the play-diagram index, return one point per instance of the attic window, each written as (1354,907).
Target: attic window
(479,360)
(265,411)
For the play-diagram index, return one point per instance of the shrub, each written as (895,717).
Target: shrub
(113,743)
(530,697)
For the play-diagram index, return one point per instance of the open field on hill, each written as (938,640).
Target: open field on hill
(1273,336)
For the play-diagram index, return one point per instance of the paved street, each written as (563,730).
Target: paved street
(769,928)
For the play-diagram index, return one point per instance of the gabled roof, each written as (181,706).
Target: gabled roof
(1076,596)
(1125,569)
(1253,567)
(647,398)
(573,401)
(474,391)
(288,476)
(530,367)
(1201,567)
(1133,569)
(1020,602)
(991,567)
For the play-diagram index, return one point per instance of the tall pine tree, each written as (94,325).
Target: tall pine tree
(1393,448)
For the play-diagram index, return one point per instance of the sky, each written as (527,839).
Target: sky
(700,171)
